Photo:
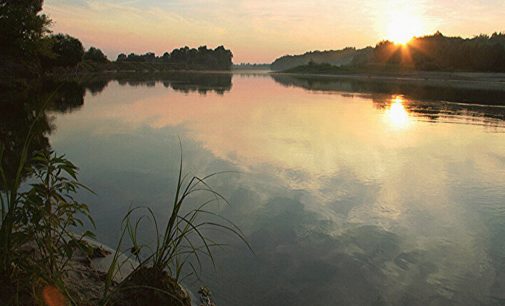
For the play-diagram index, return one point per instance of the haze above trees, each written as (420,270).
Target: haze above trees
(342,57)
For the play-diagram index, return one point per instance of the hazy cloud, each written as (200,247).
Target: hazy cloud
(259,30)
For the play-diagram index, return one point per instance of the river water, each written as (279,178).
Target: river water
(349,193)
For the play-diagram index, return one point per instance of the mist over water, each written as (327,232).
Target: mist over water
(349,194)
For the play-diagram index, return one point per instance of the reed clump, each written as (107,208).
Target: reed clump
(179,249)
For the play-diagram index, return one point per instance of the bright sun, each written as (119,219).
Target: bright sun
(403,27)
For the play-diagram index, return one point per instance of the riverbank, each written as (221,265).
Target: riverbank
(89,68)
(461,80)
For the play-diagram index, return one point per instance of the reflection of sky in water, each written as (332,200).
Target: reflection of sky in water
(345,200)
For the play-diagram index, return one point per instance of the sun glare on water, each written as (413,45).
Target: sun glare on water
(403,27)
(396,115)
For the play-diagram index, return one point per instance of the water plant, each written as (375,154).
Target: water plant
(49,213)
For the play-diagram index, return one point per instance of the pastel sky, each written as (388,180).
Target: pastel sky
(262,30)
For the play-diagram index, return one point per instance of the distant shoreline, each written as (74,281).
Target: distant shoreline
(464,80)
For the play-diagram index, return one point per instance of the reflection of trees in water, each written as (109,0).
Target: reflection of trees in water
(28,109)
(393,87)
(64,96)
(95,86)
(488,115)
(420,100)
(21,109)
(182,82)
(188,82)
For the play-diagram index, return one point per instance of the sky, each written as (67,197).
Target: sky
(258,31)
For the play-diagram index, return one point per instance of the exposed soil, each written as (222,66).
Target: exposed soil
(149,286)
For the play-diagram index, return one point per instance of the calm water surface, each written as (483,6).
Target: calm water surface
(348,196)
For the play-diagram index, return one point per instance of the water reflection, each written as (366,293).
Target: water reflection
(29,109)
(340,208)
(396,114)
(425,102)
(35,105)
(186,82)
(434,90)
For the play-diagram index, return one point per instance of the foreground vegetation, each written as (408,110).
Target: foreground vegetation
(39,247)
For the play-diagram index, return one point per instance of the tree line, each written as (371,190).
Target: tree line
(442,53)
(29,49)
(437,52)
(341,57)
(193,58)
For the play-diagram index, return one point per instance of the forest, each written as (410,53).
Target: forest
(437,52)
(201,58)
(442,53)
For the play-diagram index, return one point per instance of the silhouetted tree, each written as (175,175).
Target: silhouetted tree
(95,55)
(187,58)
(22,30)
(21,26)
(68,51)
(121,57)
(165,57)
(442,53)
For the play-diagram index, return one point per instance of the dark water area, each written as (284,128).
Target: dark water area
(422,89)
(349,193)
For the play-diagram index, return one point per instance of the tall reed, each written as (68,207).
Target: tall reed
(178,246)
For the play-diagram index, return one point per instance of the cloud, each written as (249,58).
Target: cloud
(258,30)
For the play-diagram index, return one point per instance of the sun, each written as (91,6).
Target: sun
(403,27)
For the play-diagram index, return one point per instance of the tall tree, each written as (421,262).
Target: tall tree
(22,27)
(95,55)
(68,51)
(22,30)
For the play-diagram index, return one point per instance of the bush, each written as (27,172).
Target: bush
(36,239)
